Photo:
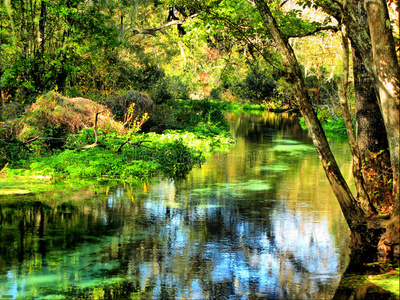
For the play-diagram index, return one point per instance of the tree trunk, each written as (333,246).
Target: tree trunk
(42,26)
(388,75)
(122,29)
(23,38)
(377,119)
(371,132)
(350,208)
(362,195)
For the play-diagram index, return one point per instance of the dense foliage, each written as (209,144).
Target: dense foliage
(55,144)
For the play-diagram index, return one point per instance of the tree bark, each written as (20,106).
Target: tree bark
(388,74)
(42,26)
(23,38)
(350,208)
(122,28)
(371,132)
(362,195)
(375,69)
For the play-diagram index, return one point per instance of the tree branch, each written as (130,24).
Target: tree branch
(322,28)
(233,25)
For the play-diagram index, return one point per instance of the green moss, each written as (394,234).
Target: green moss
(389,281)
(384,286)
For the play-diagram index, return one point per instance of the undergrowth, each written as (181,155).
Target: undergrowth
(172,154)
(185,132)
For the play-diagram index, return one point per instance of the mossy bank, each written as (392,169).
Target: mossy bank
(59,140)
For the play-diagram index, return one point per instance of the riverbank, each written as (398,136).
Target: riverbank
(120,158)
(129,139)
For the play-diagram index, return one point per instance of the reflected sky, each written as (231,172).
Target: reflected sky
(258,222)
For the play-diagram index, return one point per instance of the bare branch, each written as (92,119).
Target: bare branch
(322,28)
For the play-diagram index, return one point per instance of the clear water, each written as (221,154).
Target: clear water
(258,222)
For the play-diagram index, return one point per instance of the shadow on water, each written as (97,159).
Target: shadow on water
(258,222)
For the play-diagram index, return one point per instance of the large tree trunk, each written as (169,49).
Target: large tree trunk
(388,73)
(362,195)
(375,70)
(372,138)
(382,63)
(350,208)
(371,132)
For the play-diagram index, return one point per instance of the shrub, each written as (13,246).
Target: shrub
(167,89)
(257,86)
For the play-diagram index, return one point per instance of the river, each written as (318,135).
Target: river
(257,222)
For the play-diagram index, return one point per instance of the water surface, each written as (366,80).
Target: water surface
(258,222)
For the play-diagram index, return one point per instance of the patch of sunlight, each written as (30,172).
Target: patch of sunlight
(235,189)
(206,205)
(53,297)
(7,192)
(389,281)
(249,185)
(41,279)
(173,204)
(95,282)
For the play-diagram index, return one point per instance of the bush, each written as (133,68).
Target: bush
(167,89)
(12,150)
(172,154)
(257,86)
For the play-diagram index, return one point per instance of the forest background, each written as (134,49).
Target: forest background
(184,59)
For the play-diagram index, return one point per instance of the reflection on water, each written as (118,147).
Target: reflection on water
(259,222)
